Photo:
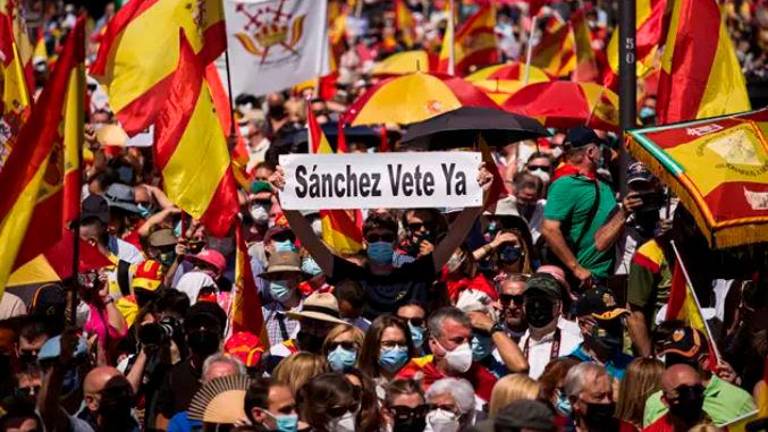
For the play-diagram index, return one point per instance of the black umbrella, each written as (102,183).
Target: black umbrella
(461,127)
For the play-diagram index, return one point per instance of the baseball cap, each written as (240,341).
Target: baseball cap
(260,186)
(277,230)
(600,303)
(581,136)
(686,342)
(95,206)
(211,257)
(637,172)
(148,276)
(162,237)
(121,196)
(543,283)
(522,414)
(49,300)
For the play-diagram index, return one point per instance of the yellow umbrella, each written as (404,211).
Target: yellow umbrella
(509,71)
(414,97)
(498,89)
(406,62)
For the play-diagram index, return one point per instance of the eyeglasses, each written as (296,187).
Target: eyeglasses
(406,413)
(340,410)
(417,226)
(347,345)
(508,298)
(415,321)
(538,167)
(386,237)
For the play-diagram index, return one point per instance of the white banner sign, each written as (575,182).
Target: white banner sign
(391,180)
(275,44)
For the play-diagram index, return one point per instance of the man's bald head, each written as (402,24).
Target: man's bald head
(97,378)
(677,375)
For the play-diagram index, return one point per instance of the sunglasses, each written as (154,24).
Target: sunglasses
(406,413)
(417,226)
(538,167)
(347,345)
(509,298)
(338,411)
(281,237)
(373,238)
(415,321)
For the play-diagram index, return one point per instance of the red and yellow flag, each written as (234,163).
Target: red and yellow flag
(650,18)
(700,74)
(342,229)
(586,63)
(15,99)
(245,313)
(404,23)
(40,177)
(474,44)
(191,147)
(138,53)
(13,10)
(555,52)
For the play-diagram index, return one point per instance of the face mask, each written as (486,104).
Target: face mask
(647,113)
(604,343)
(309,265)
(285,422)
(309,342)
(82,314)
(538,311)
(203,342)
(557,152)
(341,359)
(454,262)
(563,404)
(688,405)
(281,290)
(380,252)
(259,214)
(392,359)
(417,335)
(284,246)
(412,424)
(599,415)
(481,347)
(540,173)
(167,258)
(144,211)
(510,254)
(317,227)
(460,359)
(440,420)
(345,423)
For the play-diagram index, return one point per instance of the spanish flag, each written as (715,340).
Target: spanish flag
(700,74)
(650,17)
(138,53)
(474,44)
(191,147)
(35,174)
(15,100)
(342,229)
(555,51)
(586,62)
(245,313)
(404,23)
(12,9)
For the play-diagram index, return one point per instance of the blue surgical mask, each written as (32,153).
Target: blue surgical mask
(144,211)
(647,112)
(481,347)
(341,359)
(285,422)
(417,335)
(563,405)
(284,246)
(281,290)
(309,265)
(380,252)
(393,358)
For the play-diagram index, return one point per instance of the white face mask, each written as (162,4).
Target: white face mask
(440,420)
(543,175)
(460,359)
(557,152)
(259,214)
(345,423)
(82,314)
(317,227)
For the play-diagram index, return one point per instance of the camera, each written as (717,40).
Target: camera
(158,333)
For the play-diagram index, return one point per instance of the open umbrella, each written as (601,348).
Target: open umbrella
(461,128)
(406,62)
(509,71)
(565,104)
(718,169)
(414,97)
(499,90)
(369,136)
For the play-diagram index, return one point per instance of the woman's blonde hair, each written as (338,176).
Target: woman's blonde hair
(642,378)
(511,388)
(357,336)
(298,368)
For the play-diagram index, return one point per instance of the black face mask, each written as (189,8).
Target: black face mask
(309,342)
(510,254)
(600,416)
(412,424)
(203,342)
(27,358)
(538,311)
(688,405)
(605,343)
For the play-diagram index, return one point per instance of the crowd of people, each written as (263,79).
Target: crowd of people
(543,312)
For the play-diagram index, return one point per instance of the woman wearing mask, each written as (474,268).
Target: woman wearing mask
(329,403)
(368,419)
(341,347)
(452,403)
(404,408)
(509,252)
(414,313)
(386,349)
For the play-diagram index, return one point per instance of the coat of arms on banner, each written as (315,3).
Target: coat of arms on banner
(271,32)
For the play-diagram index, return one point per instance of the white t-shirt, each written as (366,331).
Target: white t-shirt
(540,352)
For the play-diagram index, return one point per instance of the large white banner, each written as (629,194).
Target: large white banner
(275,44)
(391,180)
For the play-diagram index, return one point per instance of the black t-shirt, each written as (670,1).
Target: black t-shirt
(385,293)
(180,386)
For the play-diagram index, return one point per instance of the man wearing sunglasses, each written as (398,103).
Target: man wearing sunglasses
(511,301)
(386,286)
(683,394)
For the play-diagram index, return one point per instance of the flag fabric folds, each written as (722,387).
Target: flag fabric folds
(586,62)
(474,43)
(191,148)
(12,9)
(245,312)
(555,52)
(404,23)
(138,53)
(35,176)
(700,74)
(15,99)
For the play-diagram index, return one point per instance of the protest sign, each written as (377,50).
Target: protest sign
(392,180)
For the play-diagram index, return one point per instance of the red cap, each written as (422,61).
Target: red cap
(211,257)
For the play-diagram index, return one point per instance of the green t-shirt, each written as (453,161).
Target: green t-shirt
(723,403)
(569,201)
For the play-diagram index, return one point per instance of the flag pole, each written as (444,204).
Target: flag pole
(229,89)
(689,287)
(452,30)
(627,81)
(75,224)
(529,51)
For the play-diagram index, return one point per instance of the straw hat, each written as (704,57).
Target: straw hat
(321,306)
